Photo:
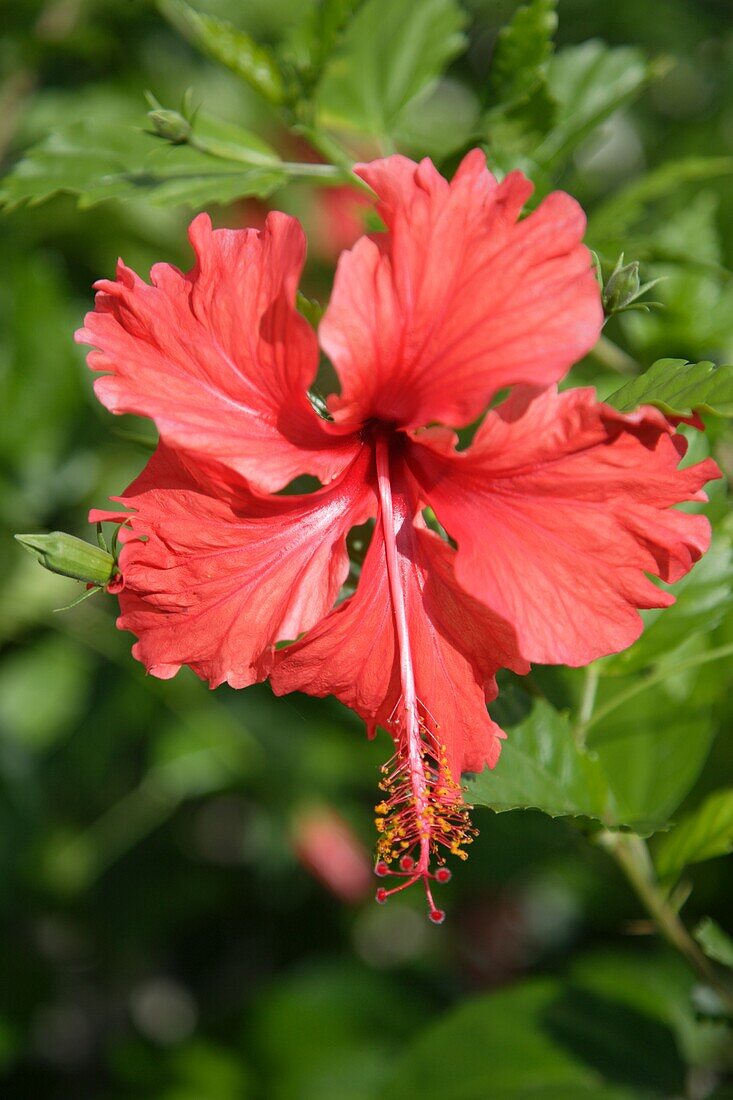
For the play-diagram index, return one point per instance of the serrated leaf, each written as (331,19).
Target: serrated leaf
(524,111)
(514,135)
(522,51)
(704,834)
(589,82)
(309,44)
(639,759)
(390,53)
(98,161)
(541,767)
(679,388)
(716,944)
(231,47)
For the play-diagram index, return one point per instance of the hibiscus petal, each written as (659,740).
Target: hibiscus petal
(458,299)
(457,645)
(560,508)
(219,357)
(222,575)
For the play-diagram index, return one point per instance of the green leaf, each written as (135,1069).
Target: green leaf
(704,834)
(589,82)
(716,944)
(642,756)
(523,49)
(541,767)
(390,53)
(652,736)
(540,1040)
(113,160)
(524,111)
(655,982)
(440,122)
(679,388)
(309,44)
(229,46)
(514,135)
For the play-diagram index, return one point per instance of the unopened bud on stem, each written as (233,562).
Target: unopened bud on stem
(170,125)
(71,557)
(173,126)
(624,288)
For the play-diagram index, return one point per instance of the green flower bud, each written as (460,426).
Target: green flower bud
(71,557)
(170,125)
(622,288)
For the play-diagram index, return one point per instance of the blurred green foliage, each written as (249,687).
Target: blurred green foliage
(162,934)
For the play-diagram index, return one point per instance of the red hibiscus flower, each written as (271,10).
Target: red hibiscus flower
(557,512)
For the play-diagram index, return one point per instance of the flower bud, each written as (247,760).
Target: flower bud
(329,849)
(170,125)
(71,557)
(622,288)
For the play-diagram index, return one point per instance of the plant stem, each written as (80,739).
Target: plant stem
(632,855)
(315,171)
(611,355)
(587,702)
(333,152)
(295,170)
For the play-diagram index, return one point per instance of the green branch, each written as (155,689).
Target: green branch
(631,854)
(612,357)
(652,678)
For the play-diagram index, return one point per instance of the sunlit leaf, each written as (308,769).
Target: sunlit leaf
(523,111)
(439,122)
(542,767)
(228,45)
(114,160)
(679,388)
(631,767)
(391,52)
(522,51)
